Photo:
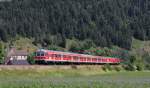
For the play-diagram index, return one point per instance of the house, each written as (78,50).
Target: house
(16,57)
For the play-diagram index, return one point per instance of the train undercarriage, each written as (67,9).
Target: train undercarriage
(43,62)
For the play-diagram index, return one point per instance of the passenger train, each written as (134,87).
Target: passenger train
(49,56)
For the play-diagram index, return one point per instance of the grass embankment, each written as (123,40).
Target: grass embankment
(72,78)
(51,71)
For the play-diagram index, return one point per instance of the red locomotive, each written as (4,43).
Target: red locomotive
(50,56)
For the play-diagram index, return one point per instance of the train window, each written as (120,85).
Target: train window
(58,55)
(65,56)
(94,59)
(38,54)
(54,55)
(69,56)
(42,53)
(89,58)
(46,54)
(75,58)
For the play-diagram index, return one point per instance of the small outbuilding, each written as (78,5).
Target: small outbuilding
(16,57)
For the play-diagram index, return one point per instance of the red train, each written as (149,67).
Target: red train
(50,56)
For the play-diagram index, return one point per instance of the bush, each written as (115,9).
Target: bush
(117,69)
(130,67)
(30,59)
(1,53)
(147,67)
(139,67)
(104,68)
(108,67)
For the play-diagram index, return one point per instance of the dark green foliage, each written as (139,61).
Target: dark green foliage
(131,64)
(117,69)
(147,66)
(132,59)
(107,67)
(87,44)
(139,67)
(146,58)
(139,64)
(130,67)
(104,68)
(53,47)
(1,53)
(30,59)
(104,22)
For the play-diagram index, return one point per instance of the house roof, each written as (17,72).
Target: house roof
(14,52)
(20,53)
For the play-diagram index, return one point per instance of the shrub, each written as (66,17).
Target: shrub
(30,59)
(117,69)
(130,67)
(139,67)
(108,67)
(104,68)
(147,67)
(1,53)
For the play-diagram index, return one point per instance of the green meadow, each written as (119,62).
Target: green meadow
(72,78)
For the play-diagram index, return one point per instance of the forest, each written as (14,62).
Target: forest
(51,22)
(114,28)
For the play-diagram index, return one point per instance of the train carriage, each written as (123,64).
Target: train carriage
(50,56)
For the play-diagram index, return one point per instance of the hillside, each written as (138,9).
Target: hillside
(102,22)
(140,46)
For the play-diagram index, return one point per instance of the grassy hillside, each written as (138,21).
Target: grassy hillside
(138,45)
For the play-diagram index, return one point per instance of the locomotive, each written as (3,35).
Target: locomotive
(43,56)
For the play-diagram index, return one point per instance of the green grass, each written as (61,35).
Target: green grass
(74,78)
(138,44)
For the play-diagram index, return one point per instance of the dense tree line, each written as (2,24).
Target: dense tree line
(1,53)
(105,22)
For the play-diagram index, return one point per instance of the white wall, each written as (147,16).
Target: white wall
(18,58)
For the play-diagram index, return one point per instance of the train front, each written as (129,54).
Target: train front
(40,56)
